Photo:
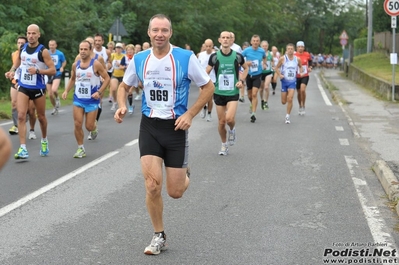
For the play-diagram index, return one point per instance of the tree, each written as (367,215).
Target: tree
(381,20)
(317,22)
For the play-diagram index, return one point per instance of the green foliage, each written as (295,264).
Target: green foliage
(317,22)
(381,20)
(360,43)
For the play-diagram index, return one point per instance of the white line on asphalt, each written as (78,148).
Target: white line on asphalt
(351,124)
(12,206)
(6,123)
(375,222)
(343,141)
(339,128)
(323,93)
(135,141)
(11,122)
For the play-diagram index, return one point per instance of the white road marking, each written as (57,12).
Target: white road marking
(12,206)
(339,128)
(11,122)
(343,141)
(323,93)
(351,124)
(6,123)
(135,141)
(375,222)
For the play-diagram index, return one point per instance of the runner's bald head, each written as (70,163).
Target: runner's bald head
(33,27)
(208,42)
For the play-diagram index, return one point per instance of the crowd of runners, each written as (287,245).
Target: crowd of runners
(254,72)
(158,74)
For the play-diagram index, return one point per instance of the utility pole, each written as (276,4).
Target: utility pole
(370,26)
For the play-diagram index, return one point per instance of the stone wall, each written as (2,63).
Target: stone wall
(378,85)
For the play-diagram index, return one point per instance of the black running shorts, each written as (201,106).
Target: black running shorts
(253,81)
(223,100)
(32,93)
(266,74)
(302,80)
(158,137)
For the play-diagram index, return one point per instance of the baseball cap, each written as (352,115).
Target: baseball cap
(119,45)
(300,43)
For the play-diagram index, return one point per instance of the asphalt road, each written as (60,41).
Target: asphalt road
(285,194)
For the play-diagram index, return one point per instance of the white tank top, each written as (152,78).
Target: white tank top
(289,68)
(103,53)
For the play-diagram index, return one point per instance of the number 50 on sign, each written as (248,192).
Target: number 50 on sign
(391,7)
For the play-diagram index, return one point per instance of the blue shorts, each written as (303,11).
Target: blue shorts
(285,85)
(88,107)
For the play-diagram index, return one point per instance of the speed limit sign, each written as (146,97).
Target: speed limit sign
(391,7)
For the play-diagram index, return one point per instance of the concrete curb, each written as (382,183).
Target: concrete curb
(388,180)
(384,173)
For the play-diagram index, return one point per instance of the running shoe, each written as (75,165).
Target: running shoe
(158,243)
(22,154)
(131,109)
(300,111)
(287,120)
(89,136)
(79,153)
(13,130)
(208,117)
(113,108)
(262,105)
(110,99)
(274,92)
(138,97)
(232,137)
(303,111)
(55,111)
(224,150)
(203,113)
(266,105)
(241,99)
(94,134)
(57,102)
(32,135)
(253,118)
(44,150)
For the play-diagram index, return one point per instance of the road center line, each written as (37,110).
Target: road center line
(12,206)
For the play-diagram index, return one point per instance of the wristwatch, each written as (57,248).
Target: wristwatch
(99,92)
(37,71)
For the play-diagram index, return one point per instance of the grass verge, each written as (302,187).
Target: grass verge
(376,64)
(5,104)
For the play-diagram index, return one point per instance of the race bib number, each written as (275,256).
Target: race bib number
(116,64)
(83,90)
(290,75)
(268,65)
(55,59)
(304,69)
(27,78)
(159,94)
(226,82)
(254,66)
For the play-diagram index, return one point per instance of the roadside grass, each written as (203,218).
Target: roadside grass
(376,64)
(5,103)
